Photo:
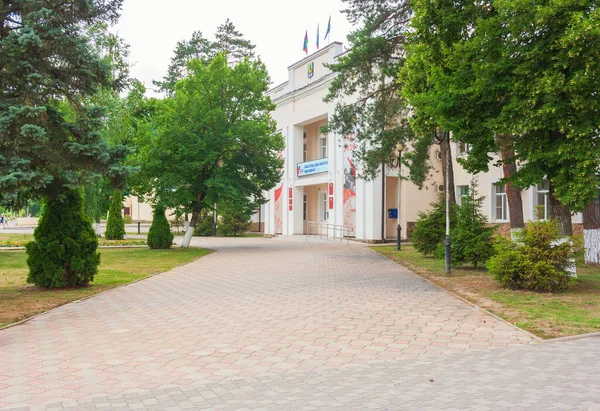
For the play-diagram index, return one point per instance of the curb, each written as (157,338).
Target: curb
(100,246)
(573,337)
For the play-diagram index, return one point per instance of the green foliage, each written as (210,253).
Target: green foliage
(127,219)
(205,225)
(64,251)
(159,235)
(526,70)
(49,139)
(235,218)
(368,73)
(228,41)
(537,260)
(115,227)
(430,228)
(212,141)
(471,237)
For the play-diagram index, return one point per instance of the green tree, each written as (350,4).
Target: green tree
(64,251)
(49,140)
(160,235)
(213,140)
(430,228)
(228,40)
(471,237)
(115,226)
(235,217)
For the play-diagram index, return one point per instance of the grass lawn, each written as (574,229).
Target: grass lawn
(15,237)
(547,315)
(19,300)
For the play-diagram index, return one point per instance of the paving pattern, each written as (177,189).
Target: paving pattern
(267,320)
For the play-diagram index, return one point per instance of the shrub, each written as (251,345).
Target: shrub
(64,251)
(127,219)
(537,260)
(160,235)
(430,228)
(204,225)
(471,237)
(115,227)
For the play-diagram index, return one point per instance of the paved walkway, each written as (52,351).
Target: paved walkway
(279,324)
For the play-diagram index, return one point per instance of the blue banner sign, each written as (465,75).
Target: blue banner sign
(313,167)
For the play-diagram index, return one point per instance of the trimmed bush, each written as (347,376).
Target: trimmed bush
(115,227)
(471,237)
(430,228)
(538,260)
(64,251)
(159,235)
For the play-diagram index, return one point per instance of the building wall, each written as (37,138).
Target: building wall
(356,202)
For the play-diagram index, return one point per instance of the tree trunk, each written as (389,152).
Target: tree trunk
(591,232)
(513,194)
(446,154)
(561,214)
(187,238)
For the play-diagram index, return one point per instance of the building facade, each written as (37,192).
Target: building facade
(321,182)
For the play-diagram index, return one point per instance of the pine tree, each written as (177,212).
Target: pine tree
(471,237)
(160,235)
(228,41)
(115,227)
(430,228)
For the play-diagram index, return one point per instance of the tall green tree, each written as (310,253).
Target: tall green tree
(213,140)
(228,40)
(49,131)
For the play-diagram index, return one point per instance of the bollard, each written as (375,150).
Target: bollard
(139,229)
(398,238)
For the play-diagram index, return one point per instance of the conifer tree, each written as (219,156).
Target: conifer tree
(471,237)
(115,227)
(49,140)
(160,235)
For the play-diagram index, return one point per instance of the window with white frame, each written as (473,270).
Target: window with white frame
(541,199)
(323,146)
(323,205)
(463,191)
(462,148)
(501,203)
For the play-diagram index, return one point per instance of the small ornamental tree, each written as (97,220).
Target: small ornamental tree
(115,226)
(64,251)
(471,237)
(159,235)
(205,226)
(235,219)
(430,229)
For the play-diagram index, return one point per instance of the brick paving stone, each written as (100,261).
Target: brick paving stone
(232,324)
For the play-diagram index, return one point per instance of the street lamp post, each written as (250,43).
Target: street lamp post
(396,162)
(445,138)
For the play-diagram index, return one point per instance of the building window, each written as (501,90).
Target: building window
(462,148)
(304,208)
(463,191)
(304,146)
(323,146)
(541,198)
(501,203)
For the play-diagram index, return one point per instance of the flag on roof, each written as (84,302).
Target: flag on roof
(305,47)
(328,28)
(317,36)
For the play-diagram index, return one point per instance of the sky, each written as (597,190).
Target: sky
(153,27)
